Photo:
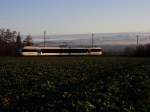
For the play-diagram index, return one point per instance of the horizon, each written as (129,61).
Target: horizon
(67,34)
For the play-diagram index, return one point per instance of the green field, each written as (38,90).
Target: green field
(74,84)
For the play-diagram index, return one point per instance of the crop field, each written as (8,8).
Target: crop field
(74,84)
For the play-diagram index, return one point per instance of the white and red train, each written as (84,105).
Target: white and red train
(48,51)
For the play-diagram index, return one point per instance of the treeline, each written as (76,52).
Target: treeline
(138,51)
(131,51)
(142,50)
(11,43)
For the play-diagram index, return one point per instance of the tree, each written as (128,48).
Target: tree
(28,41)
(140,50)
(18,41)
(147,50)
(7,42)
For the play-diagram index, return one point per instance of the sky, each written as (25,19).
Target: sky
(75,16)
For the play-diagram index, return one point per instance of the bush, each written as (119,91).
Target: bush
(139,51)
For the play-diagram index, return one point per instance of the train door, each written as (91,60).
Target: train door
(39,52)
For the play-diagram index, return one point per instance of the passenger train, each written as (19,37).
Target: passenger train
(48,51)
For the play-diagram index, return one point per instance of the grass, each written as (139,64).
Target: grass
(74,84)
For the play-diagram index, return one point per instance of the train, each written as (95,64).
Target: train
(49,51)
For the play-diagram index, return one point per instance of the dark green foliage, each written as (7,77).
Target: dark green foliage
(74,84)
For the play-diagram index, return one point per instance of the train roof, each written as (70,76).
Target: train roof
(36,47)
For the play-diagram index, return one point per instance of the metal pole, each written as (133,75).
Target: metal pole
(137,40)
(92,39)
(44,37)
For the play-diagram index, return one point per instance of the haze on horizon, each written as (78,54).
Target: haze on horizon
(75,16)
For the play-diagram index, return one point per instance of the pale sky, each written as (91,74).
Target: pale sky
(75,16)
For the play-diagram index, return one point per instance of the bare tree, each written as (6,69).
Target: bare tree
(28,41)
(18,41)
(7,42)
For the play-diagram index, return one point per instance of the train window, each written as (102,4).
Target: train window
(29,50)
(95,50)
(50,50)
(64,50)
(79,50)
(74,50)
